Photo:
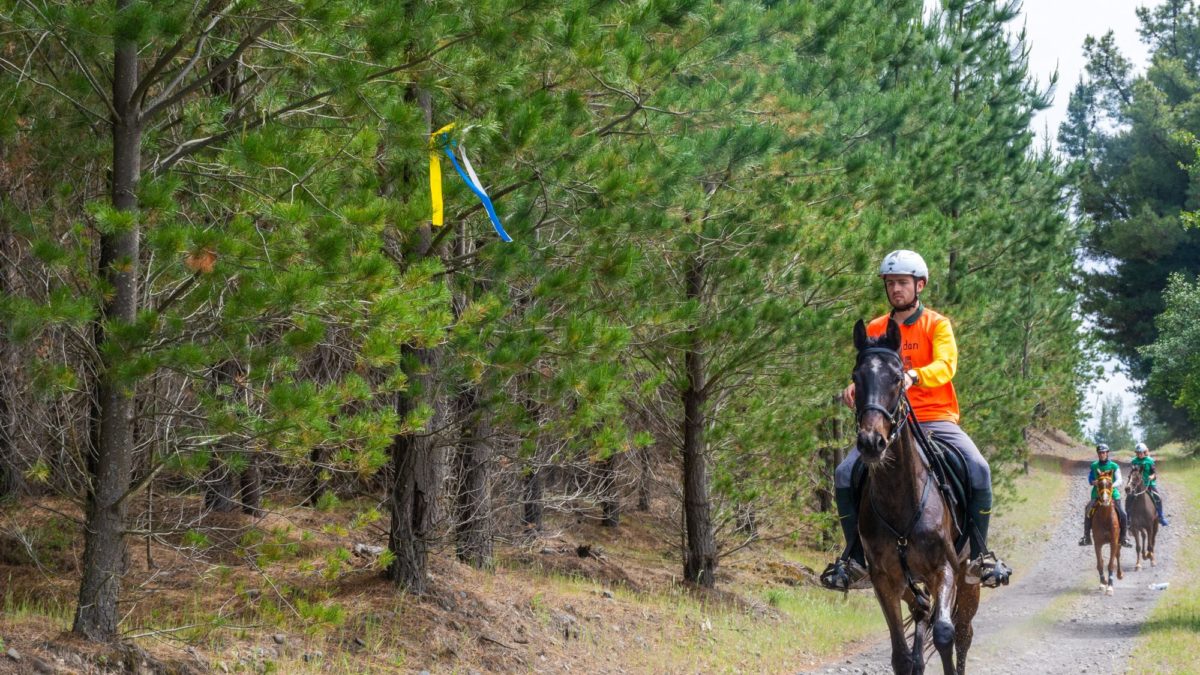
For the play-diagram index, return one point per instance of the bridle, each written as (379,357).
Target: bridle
(1141,483)
(898,416)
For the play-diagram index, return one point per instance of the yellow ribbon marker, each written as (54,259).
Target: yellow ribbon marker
(435,176)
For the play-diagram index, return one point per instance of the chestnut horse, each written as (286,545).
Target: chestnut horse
(906,527)
(1143,518)
(1106,529)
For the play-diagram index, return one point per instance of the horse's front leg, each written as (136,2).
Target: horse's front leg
(1100,562)
(888,594)
(943,629)
(1116,554)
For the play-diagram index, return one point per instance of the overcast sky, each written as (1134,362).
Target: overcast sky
(1055,30)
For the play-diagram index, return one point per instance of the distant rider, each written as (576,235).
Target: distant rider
(1145,463)
(1103,465)
(930,356)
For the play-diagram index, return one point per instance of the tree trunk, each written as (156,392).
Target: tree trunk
(643,502)
(533,488)
(415,454)
(473,459)
(532,496)
(610,500)
(415,486)
(220,487)
(109,458)
(11,480)
(700,558)
(316,484)
(252,489)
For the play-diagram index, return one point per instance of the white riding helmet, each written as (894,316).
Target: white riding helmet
(1141,447)
(904,262)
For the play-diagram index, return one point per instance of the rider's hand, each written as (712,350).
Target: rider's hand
(848,396)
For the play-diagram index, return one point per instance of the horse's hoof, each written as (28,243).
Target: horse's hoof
(1108,590)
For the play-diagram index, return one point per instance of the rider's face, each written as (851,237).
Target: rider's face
(902,289)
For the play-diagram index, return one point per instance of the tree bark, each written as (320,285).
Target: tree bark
(252,488)
(415,459)
(109,460)
(700,558)
(220,487)
(415,486)
(473,461)
(532,495)
(11,480)
(610,500)
(643,458)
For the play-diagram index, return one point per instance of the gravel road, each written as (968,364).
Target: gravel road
(1053,617)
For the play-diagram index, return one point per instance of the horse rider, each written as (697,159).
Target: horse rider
(1145,463)
(1103,465)
(930,356)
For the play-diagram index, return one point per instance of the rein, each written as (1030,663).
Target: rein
(1144,490)
(893,416)
(899,417)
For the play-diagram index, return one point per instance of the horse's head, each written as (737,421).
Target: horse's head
(878,381)
(1134,483)
(1104,488)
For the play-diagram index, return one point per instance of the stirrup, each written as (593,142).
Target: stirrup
(844,574)
(1162,520)
(988,570)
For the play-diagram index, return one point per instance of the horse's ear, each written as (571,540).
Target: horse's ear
(891,339)
(860,335)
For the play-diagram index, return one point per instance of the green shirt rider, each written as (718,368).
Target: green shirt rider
(1144,463)
(1103,465)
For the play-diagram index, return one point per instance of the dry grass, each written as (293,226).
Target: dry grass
(1170,640)
(284,594)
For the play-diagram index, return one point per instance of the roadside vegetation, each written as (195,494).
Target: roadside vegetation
(1170,640)
(588,597)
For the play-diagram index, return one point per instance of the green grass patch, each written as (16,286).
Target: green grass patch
(1170,639)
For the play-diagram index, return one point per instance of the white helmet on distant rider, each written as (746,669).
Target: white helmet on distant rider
(1141,448)
(904,262)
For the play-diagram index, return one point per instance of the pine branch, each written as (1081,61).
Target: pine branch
(171,52)
(196,144)
(166,99)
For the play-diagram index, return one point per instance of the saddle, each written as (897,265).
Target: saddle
(948,471)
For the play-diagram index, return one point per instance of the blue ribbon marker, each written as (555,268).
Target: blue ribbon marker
(478,190)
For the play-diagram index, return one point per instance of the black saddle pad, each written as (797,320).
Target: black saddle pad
(949,469)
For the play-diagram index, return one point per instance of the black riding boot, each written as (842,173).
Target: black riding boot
(991,571)
(1087,526)
(1158,507)
(1123,520)
(848,571)
(980,511)
(848,517)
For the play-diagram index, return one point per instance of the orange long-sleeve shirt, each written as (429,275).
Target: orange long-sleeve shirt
(927,345)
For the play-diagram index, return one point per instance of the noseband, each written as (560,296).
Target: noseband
(893,416)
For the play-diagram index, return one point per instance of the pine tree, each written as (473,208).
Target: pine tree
(1124,137)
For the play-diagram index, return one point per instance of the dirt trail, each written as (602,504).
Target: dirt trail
(1053,618)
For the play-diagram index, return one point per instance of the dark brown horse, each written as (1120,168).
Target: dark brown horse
(1143,518)
(905,525)
(1106,529)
